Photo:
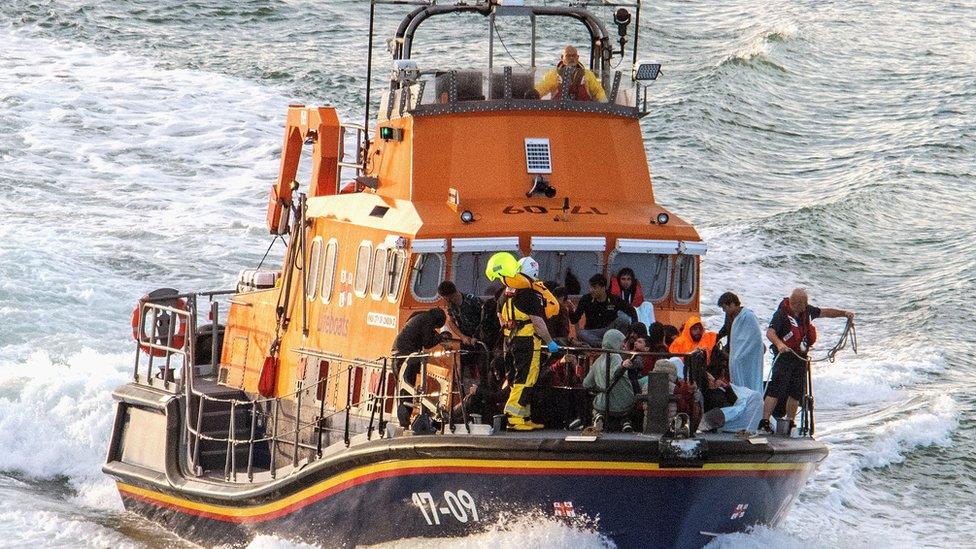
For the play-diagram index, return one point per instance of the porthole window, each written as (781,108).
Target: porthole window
(313,269)
(394,268)
(685,278)
(328,269)
(428,271)
(378,282)
(652,270)
(363,263)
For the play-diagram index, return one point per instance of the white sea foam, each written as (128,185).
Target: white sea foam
(927,427)
(55,419)
(42,525)
(760,537)
(515,531)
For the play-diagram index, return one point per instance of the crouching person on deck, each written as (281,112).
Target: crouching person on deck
(614,393)
(422,331)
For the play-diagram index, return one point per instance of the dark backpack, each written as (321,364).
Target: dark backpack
(490,328)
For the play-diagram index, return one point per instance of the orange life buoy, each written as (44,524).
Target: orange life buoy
(162,320)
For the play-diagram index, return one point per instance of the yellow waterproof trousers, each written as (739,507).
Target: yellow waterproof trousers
(525,354)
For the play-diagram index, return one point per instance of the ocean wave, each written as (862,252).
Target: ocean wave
(929,427)
(70,402)
(758,47)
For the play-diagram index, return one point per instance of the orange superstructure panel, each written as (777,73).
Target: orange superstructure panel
(594,156)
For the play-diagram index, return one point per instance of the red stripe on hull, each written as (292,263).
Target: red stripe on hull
(461,470)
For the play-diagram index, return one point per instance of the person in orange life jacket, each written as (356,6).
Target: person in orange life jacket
(626,286)
(791,334)
(422,331)
(694,336)
(603,312)
(584,86)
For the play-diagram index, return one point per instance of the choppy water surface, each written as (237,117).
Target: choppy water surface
(824,144)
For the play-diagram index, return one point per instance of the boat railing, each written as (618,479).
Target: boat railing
(170,341)
(438,91)
(165,330)
(358,133)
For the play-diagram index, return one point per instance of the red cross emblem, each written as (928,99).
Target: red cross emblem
(740,510)
(345,289)
(564,508)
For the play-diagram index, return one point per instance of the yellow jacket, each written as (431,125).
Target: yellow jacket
(550,85)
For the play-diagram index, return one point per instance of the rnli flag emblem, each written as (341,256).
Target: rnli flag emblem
(564,508)
(740,511)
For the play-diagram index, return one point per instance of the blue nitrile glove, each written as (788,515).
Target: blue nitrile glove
(553,347)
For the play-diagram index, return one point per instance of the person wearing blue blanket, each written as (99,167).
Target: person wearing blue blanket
(746,347)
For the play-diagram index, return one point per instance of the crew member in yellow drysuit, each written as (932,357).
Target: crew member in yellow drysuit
(522,316)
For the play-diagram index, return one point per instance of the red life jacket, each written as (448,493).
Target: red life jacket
(802,334)
(577,92)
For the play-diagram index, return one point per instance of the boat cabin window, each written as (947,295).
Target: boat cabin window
(569,269)
(314,268)
(685,278)
(394,269)
(363,263)
(328,269)
(653,272)
(469,271)
(428,271)
(378,282)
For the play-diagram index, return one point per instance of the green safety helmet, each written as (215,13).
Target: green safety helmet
(501,264)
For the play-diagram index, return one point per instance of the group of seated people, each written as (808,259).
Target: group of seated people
(573,390)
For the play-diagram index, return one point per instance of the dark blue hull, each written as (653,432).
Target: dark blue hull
(635,504)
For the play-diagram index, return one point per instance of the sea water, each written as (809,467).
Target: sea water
(819,144)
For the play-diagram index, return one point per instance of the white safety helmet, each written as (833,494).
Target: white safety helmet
(529,267)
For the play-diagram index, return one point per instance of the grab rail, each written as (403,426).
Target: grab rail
(256,424)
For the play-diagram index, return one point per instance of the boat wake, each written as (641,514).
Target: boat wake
(517,531)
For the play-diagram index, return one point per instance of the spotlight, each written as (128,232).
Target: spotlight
(663,218)
(540,186)
(467,216)
(622,19)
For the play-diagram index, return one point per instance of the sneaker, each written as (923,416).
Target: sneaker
(627,427)
(765,428)
(576,425)
(598,422)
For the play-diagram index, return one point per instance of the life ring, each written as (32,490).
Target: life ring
(159,297)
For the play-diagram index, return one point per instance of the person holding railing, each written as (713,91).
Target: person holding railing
(421,332)
(583,84)
(791,333)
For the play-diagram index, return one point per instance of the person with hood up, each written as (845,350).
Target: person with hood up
(694,336)
(626,286)
(614,393)
(746,347)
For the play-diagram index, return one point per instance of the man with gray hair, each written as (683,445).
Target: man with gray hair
(791,333)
